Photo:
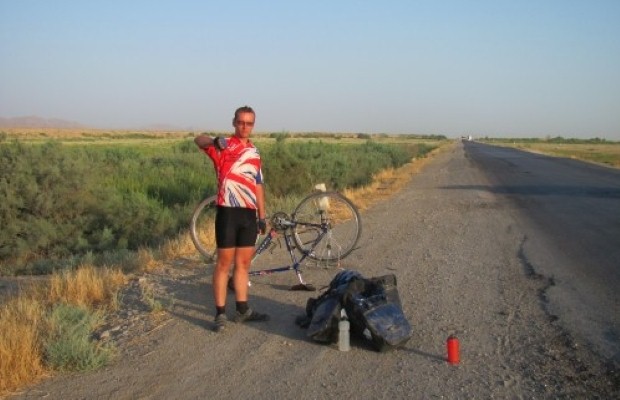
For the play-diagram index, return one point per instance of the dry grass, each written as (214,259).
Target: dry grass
(145,137)
(181,246)
(85,133)
(24,318)
(388,182)
(21,319)
(86,287)
(602,153)
(146,260)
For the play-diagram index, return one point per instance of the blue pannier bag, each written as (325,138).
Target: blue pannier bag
(372,305)
(323,324)
(374,310)
(323,313)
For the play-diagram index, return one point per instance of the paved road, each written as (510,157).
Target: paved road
(570,213)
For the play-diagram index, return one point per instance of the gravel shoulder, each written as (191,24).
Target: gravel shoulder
(457,255)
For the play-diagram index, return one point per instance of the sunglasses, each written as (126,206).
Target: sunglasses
(244,123)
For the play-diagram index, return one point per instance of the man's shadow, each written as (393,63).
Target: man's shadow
(193,302)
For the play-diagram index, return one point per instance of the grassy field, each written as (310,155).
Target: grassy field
(607,153)
(69,194)
(99,136)
(48,326)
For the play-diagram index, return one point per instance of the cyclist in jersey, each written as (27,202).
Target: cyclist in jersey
(240,213)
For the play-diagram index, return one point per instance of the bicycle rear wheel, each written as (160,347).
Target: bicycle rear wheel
(327,226)
(202,229)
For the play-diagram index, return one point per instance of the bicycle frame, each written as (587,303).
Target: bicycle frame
(290,247)
(317,235)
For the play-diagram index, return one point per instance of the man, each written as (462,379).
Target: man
(240,213)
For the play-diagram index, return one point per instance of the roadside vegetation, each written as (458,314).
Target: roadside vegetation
(595,150)
(64,202)
(48,325)
(87,215)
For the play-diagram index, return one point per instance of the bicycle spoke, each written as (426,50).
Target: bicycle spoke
(202,230)
(336,226)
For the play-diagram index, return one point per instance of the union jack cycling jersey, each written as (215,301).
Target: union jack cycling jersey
(238,169)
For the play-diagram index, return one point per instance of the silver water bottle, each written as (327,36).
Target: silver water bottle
(343,332)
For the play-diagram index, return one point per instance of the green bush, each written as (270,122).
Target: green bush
(69,346)
(63,201)
(49,196)
(294,168)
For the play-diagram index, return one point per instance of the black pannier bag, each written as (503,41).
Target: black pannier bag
(372,305)
(374,309)
(323,313)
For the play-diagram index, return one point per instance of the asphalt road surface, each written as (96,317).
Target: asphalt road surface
(570,213)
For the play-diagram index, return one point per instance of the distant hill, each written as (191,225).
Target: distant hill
(35,122)
(38,122)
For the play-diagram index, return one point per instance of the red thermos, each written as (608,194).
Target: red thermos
(453,349)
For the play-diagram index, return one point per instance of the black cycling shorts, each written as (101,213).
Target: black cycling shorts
(235,227)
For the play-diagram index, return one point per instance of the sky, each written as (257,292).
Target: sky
(496,68)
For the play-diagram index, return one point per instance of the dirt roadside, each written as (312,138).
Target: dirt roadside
(456,256)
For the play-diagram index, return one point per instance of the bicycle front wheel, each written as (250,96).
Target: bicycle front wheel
(202,229)
(327,226)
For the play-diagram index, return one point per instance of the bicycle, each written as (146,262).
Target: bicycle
(325,226)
